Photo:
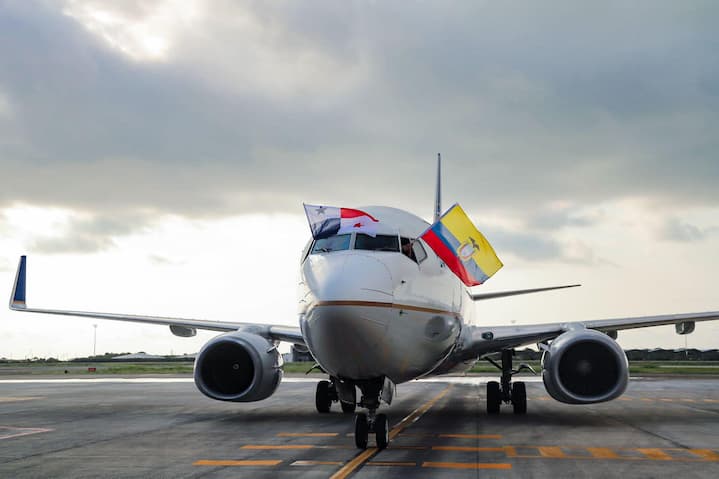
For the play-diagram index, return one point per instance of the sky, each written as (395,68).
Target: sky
(155,155)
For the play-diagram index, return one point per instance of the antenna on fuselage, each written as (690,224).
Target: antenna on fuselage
(438,193)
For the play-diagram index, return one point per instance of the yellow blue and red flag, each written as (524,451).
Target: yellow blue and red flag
(462,247)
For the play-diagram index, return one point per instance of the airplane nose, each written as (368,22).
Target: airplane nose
(348,277)
(346,325)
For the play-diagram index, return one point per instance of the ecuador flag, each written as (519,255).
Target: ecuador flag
(462,247)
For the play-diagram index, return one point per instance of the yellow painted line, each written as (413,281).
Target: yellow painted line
(554,452)
(261,447)
(688,400)
(308,434)
(472,436)
(656,454)
(711,400)
(467,449)
(666,400)
(392,463)
(466,465)
(264,462)
(417,413)
(317,463)
(602,453)
(647,400)
(707,454)
(510,451)
(365,456)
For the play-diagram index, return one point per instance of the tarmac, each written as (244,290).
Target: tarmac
(164,428)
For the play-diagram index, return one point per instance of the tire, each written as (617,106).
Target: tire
(519,398)
(347,408)
(381,431)
(494,397)
(361,431)
(323,401)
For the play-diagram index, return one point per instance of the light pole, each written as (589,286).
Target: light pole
(94,340)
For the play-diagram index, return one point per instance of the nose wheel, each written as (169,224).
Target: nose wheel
(514,393)
(366,424)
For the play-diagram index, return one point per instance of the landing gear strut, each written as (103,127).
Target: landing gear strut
(506,391)
(327,392)
(371,422)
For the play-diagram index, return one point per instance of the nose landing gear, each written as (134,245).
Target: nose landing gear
(372,391)
(507,391)
(367,423)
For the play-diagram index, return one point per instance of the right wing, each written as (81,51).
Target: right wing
(178,326)
(488,339)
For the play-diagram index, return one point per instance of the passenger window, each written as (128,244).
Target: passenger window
(413,250)
(378,243)
(333,243)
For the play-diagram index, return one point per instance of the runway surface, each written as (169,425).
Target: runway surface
(144,427)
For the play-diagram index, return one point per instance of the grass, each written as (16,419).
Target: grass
(664,368)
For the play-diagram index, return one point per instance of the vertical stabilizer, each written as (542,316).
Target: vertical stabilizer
(438,193)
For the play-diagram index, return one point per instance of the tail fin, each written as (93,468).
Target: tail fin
(17,300)
(438,192)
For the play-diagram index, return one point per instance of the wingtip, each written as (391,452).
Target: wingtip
(17,299)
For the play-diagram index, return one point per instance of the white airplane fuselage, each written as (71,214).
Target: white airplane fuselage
(371,314)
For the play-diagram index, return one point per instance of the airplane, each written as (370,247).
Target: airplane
(378,311)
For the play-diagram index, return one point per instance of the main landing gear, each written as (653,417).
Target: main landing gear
(328,392)
(506,391)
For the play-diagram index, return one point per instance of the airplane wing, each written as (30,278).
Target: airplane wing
(486,339)
(504,294)
(178,326)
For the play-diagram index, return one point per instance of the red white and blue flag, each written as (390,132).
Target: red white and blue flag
(327,221)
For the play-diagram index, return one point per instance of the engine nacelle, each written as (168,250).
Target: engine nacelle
(237,366)
(585,366)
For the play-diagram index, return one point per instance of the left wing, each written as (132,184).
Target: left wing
(487,339)
(178,326)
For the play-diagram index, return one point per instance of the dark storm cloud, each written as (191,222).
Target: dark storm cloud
(261,106)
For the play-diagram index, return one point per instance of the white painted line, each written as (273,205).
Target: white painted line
(19,431)
(472,380)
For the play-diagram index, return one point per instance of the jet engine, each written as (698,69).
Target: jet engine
(238,366)
(584,366)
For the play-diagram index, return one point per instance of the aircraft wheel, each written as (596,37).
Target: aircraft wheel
(381,430)
(519,398)
(361,431)
(323,400)
(494,397)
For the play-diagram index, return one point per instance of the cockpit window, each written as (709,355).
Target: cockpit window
(333,243)
(413,249)
(378,243)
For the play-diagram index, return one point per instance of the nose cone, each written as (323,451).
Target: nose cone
(344,322)
(347,276)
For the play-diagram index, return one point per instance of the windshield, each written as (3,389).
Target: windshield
(378,243)
(333,243)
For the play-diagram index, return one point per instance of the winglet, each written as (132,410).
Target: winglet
(17,300)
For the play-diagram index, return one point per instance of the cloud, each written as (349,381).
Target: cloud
(4,265)
(674,229)
(88,234)
(257,107)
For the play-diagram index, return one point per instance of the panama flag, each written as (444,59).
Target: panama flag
(330,220)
